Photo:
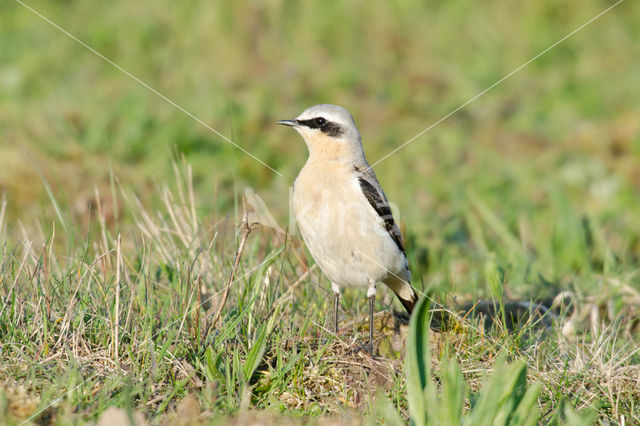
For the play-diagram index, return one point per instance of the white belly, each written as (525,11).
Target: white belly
(344,234)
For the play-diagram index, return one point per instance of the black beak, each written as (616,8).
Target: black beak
(292,123)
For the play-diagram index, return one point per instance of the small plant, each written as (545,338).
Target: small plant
(504,397)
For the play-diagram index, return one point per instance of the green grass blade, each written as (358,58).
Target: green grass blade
(498,391)
(452,398)
(527,412)
(254,357)
(418,362)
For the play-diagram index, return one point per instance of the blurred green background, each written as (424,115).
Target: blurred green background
(543,171)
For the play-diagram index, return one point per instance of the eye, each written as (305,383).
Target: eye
(320,121)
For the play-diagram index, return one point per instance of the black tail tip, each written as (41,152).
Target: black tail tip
(409,304)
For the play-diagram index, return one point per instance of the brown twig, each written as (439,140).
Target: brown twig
(246,229)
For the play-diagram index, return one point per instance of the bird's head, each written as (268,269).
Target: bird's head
(329,132)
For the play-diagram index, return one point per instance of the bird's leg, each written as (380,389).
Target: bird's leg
(336,300)
(371,295)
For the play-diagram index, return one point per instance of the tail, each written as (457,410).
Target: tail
(405,292)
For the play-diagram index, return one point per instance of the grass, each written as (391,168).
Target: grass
(126,320)
(114,260)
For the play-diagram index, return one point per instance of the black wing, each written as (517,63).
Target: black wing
(381,206)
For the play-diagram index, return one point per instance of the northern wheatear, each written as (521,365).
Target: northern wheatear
(342,212)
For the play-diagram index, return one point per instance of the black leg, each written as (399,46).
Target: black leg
(371,299)
(336,299)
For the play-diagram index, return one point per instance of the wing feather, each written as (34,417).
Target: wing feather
(374,194)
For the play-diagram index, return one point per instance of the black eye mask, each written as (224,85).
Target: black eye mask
(329,128)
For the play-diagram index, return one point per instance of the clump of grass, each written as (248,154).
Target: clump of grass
(503,398)
(125,316)
(125,319)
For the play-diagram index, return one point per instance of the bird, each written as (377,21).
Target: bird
(342,212)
